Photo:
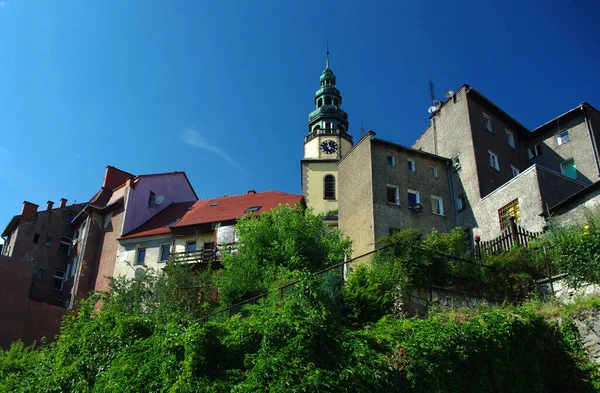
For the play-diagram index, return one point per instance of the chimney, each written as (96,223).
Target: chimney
(49,205)
(251,192)
(29,209)
(63,203)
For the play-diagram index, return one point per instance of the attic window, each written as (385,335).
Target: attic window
(214,203)
(151,199)
(253,209)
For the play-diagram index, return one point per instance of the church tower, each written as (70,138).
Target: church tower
(327,141)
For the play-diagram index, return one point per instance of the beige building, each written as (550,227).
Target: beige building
(490,151)
(385,187)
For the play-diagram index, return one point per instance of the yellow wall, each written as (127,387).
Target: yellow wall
(315,186)
(318,170)
(181,242)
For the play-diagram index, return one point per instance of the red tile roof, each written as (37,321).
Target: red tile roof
(230,208)
(159,224)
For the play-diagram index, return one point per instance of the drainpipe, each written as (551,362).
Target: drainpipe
(449,173)
(81,254)
(591,134)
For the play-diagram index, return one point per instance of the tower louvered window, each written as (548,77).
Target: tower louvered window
(329,187)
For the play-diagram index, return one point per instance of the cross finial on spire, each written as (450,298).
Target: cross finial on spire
(327,56)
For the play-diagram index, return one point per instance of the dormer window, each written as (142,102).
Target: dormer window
(151,199)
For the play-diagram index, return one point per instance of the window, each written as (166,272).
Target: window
(413,198)
(151,199)
(510,138)
(487,122)
(327,100)
(434,171)
(320,102)
(568,169)
(141,256)
(562,137)
(190,247)
(437,205)
(164,253)
(393,195)
(461,202)
(335,102)
(214,204)
(329,189)
(253,209)
(515,171)
(509,210)
(411,165)
(534,151)
(36,238)
(456,162)
(70,217)
(48,241)
(58,280)
(391,159)
(494,160)
(65,245)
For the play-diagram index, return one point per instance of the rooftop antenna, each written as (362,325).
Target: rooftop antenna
(431,91)
(327,55)
(362,129)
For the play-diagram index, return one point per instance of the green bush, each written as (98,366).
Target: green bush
(576,250)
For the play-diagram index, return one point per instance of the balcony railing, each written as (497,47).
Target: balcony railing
(198,256)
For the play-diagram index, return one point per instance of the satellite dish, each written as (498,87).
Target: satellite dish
(140,273)
(122,257)
(449,94)
(416,208)
(158,200)
(435,102)
(432,109)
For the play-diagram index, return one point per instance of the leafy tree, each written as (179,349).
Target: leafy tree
(273,245)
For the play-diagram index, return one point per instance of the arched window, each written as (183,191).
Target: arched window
(329,190)
(327,100)
(319,102)
(335,102)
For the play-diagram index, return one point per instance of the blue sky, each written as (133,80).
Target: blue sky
(222,90)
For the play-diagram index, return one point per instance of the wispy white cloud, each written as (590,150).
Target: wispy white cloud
(193,138)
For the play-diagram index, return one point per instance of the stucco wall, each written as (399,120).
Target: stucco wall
(151,261)
(172,186)
(388,215)
(579,210)
(579,148)
(313,174)
(356,198)
(534,188)
(111,231)
(450,134)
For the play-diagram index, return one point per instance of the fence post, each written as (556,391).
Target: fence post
(513,231)
(477,247)
(549,272)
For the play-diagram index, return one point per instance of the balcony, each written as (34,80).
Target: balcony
(199,256)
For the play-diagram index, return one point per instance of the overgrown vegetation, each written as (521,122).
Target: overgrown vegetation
(324,335)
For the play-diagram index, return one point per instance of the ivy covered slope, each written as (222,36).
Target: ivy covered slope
(326,335)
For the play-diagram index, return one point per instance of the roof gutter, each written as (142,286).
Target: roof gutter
(584,108)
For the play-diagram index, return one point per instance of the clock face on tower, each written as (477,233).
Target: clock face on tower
(329,146)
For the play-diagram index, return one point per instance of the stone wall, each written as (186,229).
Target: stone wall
(418,299)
